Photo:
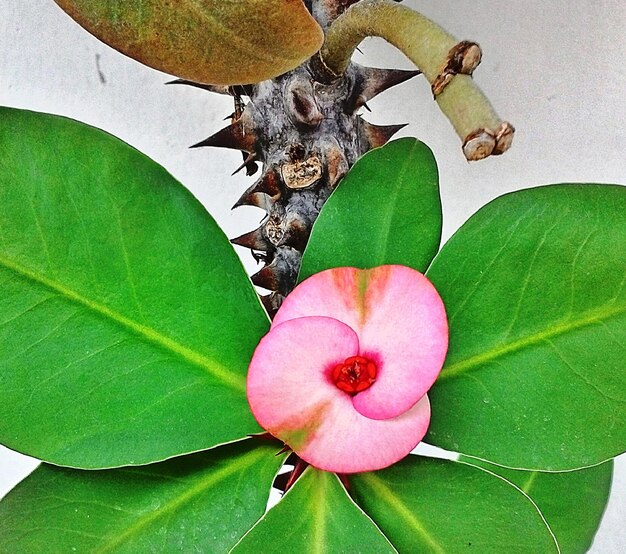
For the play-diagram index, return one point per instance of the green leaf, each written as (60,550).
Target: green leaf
(535,289)
(126,320)
(201,503)
(387,210)
(221,42)
(572,502)
(431,505)
(316,515)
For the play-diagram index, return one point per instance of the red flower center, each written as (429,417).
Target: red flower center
(354,375)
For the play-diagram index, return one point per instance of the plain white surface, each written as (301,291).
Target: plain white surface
(554,69)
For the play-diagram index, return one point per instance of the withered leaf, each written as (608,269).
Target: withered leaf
(209,41)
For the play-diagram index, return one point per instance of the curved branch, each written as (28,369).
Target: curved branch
(446,63)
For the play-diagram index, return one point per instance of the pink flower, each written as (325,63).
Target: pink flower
(342,375)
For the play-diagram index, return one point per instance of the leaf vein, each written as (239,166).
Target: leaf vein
(483,273)
(589,318)
(185,497)
(148,334)
(580,376)
(402,510)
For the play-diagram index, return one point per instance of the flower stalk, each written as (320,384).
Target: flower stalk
(444,61)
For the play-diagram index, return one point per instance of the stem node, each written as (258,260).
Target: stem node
(462,58)
(444,61)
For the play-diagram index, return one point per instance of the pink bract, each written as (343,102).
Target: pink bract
(393,319)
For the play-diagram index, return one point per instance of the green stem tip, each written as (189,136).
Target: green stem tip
(446,63)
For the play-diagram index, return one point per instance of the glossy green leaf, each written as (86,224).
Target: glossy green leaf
(200,503)
(571,502)
(213,41)
(126,320)
(431,505)
(535,289)
(316,515)
(387,210)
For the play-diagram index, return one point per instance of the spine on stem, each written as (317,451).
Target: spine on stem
(306,128)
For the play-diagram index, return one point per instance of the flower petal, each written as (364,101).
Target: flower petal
(400,321)
(407,327)
(289,390)
(348,442)
(331,293)
(291,396)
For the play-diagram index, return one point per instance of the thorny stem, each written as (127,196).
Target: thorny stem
(432,50)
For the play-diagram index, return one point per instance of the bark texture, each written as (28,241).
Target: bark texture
(307,133)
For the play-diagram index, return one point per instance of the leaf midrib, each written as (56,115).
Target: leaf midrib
(319,515)
(183,498)
(219,371)
(589,318)
(385,225)
(233,37)
(401,509)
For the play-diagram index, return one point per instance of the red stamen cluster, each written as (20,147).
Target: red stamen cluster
(354,375)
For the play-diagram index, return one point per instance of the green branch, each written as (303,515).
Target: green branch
(444,61)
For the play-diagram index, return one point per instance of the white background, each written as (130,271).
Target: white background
(554,69)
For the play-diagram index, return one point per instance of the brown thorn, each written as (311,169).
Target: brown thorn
(262,193)
(269,184)
(377,80)
(255,240)
(238,136)
(283,450)
(298,470)
(353,105)
(377,135)
(251,169)
(219,89)
(249,159)
(462,58)
(252,198)
(281,274)
(267,278)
